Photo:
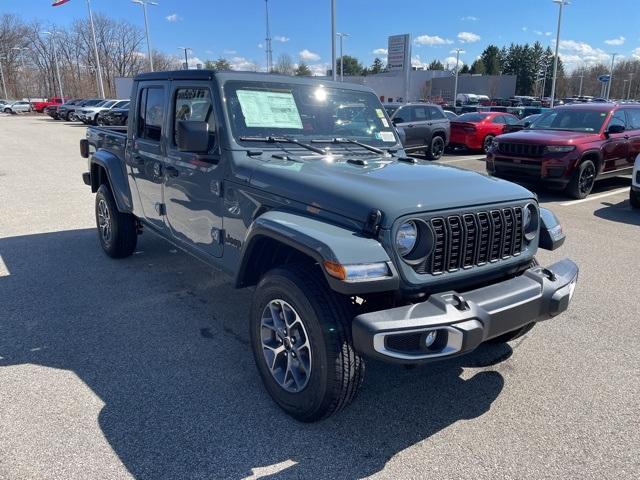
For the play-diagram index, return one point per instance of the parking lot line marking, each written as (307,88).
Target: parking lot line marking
(595,197)
(4,271)
(455,160)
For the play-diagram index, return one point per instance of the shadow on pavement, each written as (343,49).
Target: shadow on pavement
(162,340)
(619,212)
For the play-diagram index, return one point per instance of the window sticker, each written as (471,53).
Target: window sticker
(380,113)
(265,109)
(387,137)
(384,122)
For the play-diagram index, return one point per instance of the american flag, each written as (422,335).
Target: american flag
(57,3)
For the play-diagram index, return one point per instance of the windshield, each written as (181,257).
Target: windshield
(306,112)
(572,120)
(471,117)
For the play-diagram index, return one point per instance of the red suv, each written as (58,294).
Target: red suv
(570,147)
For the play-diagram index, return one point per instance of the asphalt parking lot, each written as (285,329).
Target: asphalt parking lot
(142,368)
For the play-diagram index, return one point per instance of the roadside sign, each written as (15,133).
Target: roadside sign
(604,78)
(397,52)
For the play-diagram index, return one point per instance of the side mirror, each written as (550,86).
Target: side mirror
(551,234)
(192,136)
(526,124)
(615,129)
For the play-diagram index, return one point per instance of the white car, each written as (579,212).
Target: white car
(634,193)
(15,107)
(90,114)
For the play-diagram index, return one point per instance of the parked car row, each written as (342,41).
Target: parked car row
(15,106)
(94,111)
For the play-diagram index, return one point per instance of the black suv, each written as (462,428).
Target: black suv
(421,126)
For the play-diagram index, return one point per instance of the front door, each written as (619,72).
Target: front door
(145,151)
(193,182)
(633,131)
(615,149)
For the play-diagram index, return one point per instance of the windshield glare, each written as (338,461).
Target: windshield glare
(306,112)
(573,120)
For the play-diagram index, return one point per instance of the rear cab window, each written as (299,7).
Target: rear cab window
(150,113)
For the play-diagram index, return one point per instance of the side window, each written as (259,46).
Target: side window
(402,115)
(510,120)
(419,114)
(435,113)
(499,119)
(151,113)
(633,116)
(192,105)
(618,118)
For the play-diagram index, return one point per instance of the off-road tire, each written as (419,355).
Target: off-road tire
(336,371)
(123,236)
(436,148)
(518,332)
(634,199)
(576,188)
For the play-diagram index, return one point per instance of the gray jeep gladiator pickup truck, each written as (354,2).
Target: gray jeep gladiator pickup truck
(354,249)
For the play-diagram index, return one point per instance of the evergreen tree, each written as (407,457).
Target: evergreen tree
(377,66)
(477,68)
(491,59)
(219,65)
(465,69)
(302,70)
(436,65)
(352,65)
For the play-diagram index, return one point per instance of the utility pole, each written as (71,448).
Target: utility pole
(55,58)
(581,79)
(144,4)
(95,52)
(544,79)
(333,40)
(4,85)
(341,35)
(613,59)
(628,93)
(561,3)
(186,60)
(24,69)
(455,85)
(267,40)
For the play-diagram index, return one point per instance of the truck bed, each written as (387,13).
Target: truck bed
(112,139)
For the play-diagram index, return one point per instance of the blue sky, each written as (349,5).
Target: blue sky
(591,29)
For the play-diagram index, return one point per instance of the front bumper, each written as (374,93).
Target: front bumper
(553,171)
(458,323)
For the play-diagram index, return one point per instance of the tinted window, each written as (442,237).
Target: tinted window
(498,119)
(192,105)
(472,117)
(618,118)
(577,120)
(419,114)
(435,113)
(151,113)
(633,117)
(510,120)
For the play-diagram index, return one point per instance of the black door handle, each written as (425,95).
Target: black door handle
(171,171)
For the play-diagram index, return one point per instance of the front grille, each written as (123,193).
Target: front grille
(473,239)
(520,149)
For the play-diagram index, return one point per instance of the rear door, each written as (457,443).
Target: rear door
(145,149)
(193,183)
(615,149)
(633,131)
(438,120)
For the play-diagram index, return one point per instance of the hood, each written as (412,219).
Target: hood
(551,137)
(396,188)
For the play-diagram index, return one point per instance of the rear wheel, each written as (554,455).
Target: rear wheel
(488,141)
(436,149)
(634,198)
(117,231)
(582,181)
(73,117)
(7,110)
(301,342)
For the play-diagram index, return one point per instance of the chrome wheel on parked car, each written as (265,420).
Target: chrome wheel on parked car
(104,221)
(285,345)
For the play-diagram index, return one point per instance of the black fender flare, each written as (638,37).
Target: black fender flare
(116,176)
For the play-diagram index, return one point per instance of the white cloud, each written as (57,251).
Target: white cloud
(538,32)
(242,63)
(547,34)
(462,52)
(615,41)
(432,40)
(281,39)
(450,62)
(308,56)
(468,37)
(573,52)
(209,52)
(469,18)
(319,69)
(173,18)
(636,53)
(380,51)
(524,29)
(260,45)
(229,52)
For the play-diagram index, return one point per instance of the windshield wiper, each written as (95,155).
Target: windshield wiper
(271,139)
(354,142)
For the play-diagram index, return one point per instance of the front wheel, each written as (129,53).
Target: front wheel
(582,181)
(73,117)
(436,149)
(117,231)
(301,341)
(7,110)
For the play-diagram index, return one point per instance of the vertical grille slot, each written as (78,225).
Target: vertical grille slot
(471,229)
(517,231)
(455,237)
(439,246)
(485,235)
(495,251)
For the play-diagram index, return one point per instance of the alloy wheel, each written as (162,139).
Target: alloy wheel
(487,144)
(587,177)
(437,147)
(104,221)
(285,346)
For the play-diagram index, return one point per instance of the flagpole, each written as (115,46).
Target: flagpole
(95,51)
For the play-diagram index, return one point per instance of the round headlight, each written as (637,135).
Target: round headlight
(406,237)
(530,222)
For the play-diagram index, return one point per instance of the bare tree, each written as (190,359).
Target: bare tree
(284,65)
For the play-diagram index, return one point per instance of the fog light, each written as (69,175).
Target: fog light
(430,338)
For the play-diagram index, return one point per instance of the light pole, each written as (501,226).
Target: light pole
(333,40)
(186,60)
(267,41)
(455,85)
(144,4)
(613,59)
(561,3)
(4,85)
(55,58)
(581,79)
(341,35)
(95,52)
(628,93)
(544,80)
(24,69)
